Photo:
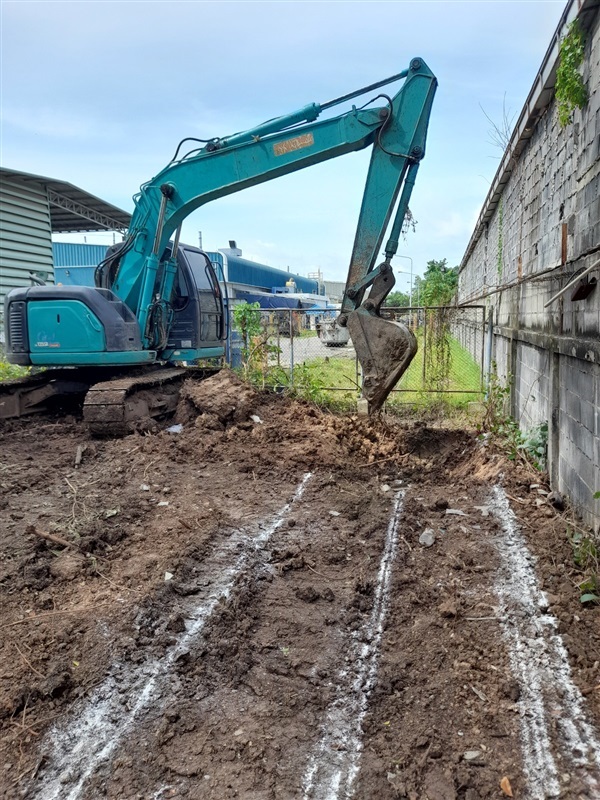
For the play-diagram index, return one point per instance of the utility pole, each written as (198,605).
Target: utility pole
(411,275)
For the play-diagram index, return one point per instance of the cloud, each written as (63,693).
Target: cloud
(455,224)
(49,121)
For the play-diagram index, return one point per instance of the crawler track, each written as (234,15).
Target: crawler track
(120,406)
(112,404)
(33,394)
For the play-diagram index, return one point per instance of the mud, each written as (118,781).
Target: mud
(270,601)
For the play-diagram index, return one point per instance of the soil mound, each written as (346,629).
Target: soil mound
(222,397)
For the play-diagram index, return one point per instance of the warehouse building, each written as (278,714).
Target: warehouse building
(268,286)
(33,207)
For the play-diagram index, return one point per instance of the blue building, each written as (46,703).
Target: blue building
(75,264)
(242,275)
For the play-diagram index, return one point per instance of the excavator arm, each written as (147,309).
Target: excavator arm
(395,130)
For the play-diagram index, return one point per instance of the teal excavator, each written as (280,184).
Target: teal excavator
(157,303)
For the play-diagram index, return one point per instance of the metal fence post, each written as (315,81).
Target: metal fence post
(278,346)
(424,347)
(489,343)
(291,331)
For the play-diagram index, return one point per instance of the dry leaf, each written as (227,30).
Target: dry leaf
(505,786)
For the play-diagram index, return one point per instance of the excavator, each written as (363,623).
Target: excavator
(157,303)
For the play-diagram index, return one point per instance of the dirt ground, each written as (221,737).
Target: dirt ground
(274,602)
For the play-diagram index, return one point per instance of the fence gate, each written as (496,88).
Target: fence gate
(297,348)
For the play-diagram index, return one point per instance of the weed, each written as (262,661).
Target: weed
(9,372)
(534,443)
(585,556)
(307,385)
(497,423)
(256,349)
(438,352)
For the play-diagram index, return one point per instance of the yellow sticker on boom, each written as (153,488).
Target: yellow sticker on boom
(297,143)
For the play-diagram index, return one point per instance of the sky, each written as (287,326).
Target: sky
(99,94)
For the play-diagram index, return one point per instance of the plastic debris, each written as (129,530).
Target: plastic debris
(427,538)
(256,418)
(168,576)
(175,428)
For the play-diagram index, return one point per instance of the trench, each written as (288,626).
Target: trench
(334,763)
(98,726)
(556,736)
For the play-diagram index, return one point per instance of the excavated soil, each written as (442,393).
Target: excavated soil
(261,600)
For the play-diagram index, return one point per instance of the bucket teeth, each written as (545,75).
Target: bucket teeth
(384,349)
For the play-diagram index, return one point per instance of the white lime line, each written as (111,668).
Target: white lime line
(333,766)
(540,664)
(98,725)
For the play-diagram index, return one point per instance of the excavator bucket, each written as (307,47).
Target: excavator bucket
(384,349)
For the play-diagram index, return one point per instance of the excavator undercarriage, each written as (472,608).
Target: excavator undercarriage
(111,405)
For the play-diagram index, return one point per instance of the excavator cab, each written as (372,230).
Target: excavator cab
(198,308)
(196,321)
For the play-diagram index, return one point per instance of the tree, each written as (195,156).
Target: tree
(438,284)
(397,300)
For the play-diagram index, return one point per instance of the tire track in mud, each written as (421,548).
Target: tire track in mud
(334,764)
(98,726)
(540,665)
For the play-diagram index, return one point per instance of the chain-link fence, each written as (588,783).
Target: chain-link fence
(306,350)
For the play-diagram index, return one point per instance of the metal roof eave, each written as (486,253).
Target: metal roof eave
(73,210)
(538,100)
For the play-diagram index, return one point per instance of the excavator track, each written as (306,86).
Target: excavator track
(32,394)
(124,405)
(113,405)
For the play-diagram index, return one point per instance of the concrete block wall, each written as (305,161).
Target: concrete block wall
(532,385)
(580,430)
(542,230)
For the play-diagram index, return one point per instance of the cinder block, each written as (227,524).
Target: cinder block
(587,472)
(588,417)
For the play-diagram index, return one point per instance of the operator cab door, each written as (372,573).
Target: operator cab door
(197,301)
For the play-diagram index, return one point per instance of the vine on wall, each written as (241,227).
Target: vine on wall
(571,91)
